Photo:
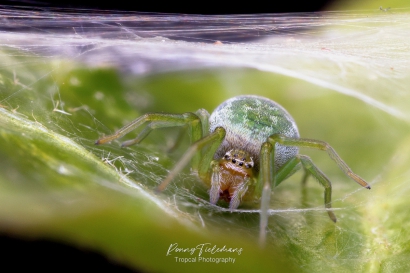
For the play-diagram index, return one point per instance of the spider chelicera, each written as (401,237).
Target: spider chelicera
(246,147)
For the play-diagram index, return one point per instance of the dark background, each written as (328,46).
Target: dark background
(193,7)
(18,253)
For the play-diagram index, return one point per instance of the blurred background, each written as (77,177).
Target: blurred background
(193,7)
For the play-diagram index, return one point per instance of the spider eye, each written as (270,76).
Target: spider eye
(240,163)
(233,161)
(226,156)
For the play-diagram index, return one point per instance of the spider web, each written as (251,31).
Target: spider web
(347,70)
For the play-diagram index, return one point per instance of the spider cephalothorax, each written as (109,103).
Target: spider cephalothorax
(235,167)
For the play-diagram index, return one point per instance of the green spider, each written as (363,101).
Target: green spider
(233,148)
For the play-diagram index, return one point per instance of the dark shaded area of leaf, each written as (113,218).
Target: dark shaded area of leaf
(46,255)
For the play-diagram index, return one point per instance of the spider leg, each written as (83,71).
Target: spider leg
(321,145)
(160,120)
(305,178)
(287,170)
(215,139)
(143,134)
(265,180)
(323,180)
(203,115)
(215,183)
(240,190)
(310,168)
(182,132)
(303,188)
(268,179)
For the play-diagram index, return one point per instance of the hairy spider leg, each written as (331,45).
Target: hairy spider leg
(159,120)
(214,140)
(266,179)
(321,145)
(268,182)
(310,168)
(270,178)
(203,115)
(198,125)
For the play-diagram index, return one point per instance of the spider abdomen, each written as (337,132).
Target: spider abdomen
(248,122)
